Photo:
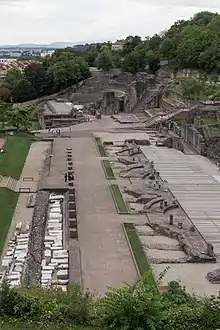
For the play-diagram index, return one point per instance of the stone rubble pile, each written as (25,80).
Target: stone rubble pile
(55,262)
(36,240)
(14,260)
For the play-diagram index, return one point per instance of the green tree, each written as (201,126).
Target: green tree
(19,118)
(35,73)
(13,76)
(104,60)
(192,88)
(5,94)
(131,42)
(23,91)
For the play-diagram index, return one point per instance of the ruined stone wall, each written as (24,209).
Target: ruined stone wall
(213,148)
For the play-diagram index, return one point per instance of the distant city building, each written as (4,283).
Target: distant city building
(13,64)
(7,60)
(119,45)
(47,53)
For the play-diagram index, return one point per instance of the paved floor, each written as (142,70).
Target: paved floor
(33,166)
(105,256)
(194,182)
(192,276)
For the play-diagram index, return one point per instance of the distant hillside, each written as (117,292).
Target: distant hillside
(53,45)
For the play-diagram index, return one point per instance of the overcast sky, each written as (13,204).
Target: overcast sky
(45,21)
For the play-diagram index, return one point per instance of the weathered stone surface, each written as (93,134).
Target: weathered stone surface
(139,142)
(196,250)
(73,233)
(144,199)
(152,202)
(126,161)
(214,276)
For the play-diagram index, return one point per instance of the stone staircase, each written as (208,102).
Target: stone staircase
(160,117)
(8,182)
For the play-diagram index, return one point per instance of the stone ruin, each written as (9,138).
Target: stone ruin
(112,94)
(170,233)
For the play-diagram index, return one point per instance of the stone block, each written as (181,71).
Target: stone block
(70,168)
(70,163)
(60,261)
(60,254)
(71,184)
(62,274)
(73,233)
(73,223)
(63,266)
(71,198)
(50,268)
(72,191)
(72,214)
(69,159)
(49,239)
(55,210)
(47,253)
(72,205)
(56,248)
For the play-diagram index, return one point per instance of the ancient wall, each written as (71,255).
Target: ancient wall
(213,148)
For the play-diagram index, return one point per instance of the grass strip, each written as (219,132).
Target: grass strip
(100,147)
(118,199)
(8,202)
(108,170)
(138,252)
(16,150)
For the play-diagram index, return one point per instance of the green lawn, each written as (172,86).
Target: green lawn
(16,150)
(8,201)
(118,199)
(108,170)
(138,252)
(100,147)
(209,121)
(35,126)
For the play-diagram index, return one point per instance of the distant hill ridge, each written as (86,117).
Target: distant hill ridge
(53,45)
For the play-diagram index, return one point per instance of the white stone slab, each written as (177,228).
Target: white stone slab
(49,239)
(60,254)
(15,277)
(47,253)
(60,261)
(46,268)
(62,274)
(63,266)
(56,248)
(22,247)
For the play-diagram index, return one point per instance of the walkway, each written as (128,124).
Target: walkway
(105,256)
(31,172)
(194,181)
(32,168)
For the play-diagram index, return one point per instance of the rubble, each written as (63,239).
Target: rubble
(36,241)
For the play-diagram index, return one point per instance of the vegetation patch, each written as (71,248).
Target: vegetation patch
(16,150)
(108,170)
(138,252)
(101,148)
(118,199)
(8,201)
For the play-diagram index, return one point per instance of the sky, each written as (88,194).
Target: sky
(46,21)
